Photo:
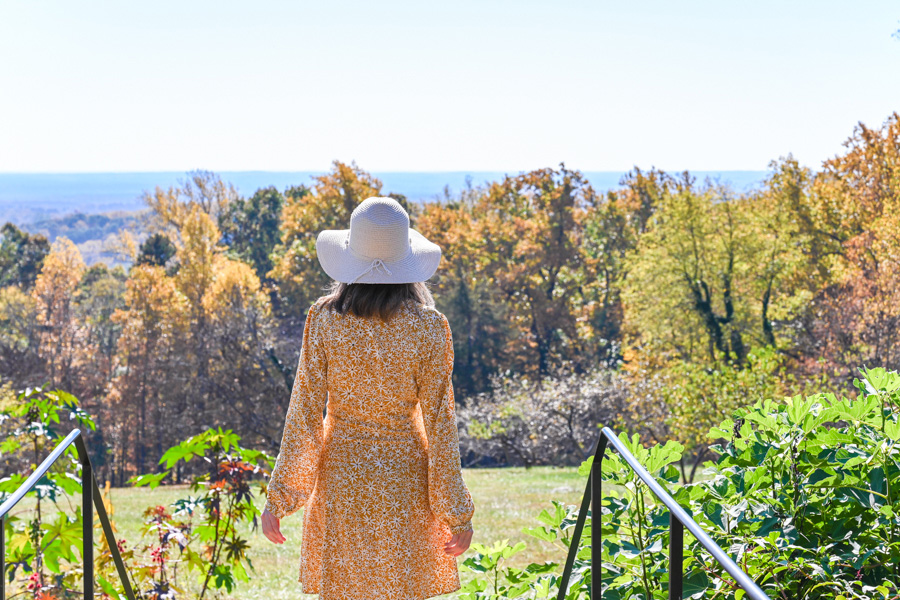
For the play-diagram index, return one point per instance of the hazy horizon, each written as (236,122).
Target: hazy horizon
(26,197)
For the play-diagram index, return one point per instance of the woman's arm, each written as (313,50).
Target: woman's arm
(448,495)
(296,468)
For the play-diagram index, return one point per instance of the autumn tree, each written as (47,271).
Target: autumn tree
(196,347)
(784,276)
(852,217)
(154,328)
(613,225)
(19,336)
(59,330)
(201,190)
(518,245)
(101,292)
(743,265)
(248,364)
(54,296)
(471,302)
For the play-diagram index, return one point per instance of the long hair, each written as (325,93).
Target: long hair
(376,299)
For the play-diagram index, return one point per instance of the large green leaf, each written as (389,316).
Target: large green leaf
(695,583)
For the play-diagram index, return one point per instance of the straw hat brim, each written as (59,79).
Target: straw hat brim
(342,264)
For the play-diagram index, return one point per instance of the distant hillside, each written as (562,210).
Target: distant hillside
(80,227)
(31,197)
(96,235)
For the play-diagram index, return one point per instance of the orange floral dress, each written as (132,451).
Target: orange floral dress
(379,477)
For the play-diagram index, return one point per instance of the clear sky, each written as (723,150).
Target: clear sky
(423,85)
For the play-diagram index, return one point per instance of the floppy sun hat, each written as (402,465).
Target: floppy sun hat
(379,247)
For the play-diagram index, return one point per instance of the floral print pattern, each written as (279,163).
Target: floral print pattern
(379,477)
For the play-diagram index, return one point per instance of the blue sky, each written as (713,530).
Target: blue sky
(437,86)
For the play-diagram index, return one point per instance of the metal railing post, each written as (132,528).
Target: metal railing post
(676,557)
(111,540)
(596,529)
(573,543)
(3,557)
(87,517)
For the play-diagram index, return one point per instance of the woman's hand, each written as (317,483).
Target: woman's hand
(271,528)
(459,543)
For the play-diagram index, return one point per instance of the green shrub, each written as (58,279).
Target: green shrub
(201,533)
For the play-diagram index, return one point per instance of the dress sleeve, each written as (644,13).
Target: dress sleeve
(294,475)
(448,495)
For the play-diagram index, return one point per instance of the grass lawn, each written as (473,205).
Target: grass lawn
(506,500)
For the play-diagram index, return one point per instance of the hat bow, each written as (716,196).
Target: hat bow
(374,266)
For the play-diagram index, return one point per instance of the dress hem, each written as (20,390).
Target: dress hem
(429,594)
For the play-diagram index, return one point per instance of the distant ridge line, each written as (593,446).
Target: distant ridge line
(26,197)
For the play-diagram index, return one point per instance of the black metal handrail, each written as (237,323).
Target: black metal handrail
(678,520)
(90,495)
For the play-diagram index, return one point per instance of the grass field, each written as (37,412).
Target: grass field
(506,501)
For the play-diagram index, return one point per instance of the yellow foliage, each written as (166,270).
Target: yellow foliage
(58,280)
(54,293)
(235,287)
(203,191)
(124,245)
(17,307)
(196,255)
(154,310)
(522,239)
(207,287)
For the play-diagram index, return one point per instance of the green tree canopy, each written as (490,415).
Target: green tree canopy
(21,256)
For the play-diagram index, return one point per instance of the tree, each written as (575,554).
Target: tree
(156,250)
(245,365)
(19,335)
(101,293)
(54,295)
(612,227)
(153,340)
(532,232)
(251,228)
(519,276)
(784,276)
(852,217)
(203,190)
(688,278)
(196,349)
(21,256)
(472,304)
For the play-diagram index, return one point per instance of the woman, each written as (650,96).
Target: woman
(387,511)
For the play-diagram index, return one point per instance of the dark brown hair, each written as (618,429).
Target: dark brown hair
(376,299)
